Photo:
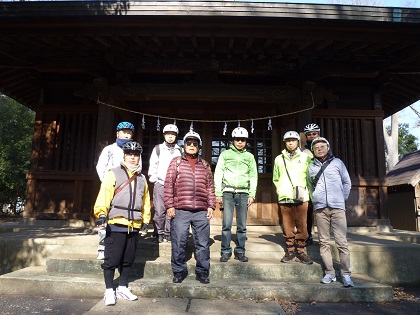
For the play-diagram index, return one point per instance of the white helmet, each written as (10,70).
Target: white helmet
(192,135)
(291,134)
(311,127)
(169,128)
(239,132)
(319,139)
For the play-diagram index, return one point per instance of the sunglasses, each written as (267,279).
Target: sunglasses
(312,133)
(239,139)
(189,143)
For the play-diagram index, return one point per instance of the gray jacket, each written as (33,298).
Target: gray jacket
(333,187)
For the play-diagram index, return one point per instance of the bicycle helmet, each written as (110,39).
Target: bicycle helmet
(125,125)
(169,128)
(319,139)
(192,135)
(291,134)
(311,127)
(132,147)
(239,132)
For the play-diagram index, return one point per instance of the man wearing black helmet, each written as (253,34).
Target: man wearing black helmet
(124,200)
(311,132)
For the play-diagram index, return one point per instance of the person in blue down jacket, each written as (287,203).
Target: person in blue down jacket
(330,188)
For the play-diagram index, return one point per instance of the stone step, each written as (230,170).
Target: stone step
(37,281)
(257,269)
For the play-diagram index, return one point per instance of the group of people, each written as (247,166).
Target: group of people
(185,195)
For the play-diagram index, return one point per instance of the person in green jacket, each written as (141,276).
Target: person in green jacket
(290,169)
(235,181)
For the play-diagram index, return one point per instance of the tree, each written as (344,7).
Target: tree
(406,141)
(16,129)
(391,142)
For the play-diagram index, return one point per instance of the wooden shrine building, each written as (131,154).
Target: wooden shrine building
(84,66)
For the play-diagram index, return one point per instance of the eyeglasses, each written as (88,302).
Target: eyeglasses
(321,147)
(189,143)
(311,133)
(239,139)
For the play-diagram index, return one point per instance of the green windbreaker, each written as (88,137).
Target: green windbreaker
(297,167)
(236,171)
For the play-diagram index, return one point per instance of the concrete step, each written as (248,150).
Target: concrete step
(37,281)
(256,269)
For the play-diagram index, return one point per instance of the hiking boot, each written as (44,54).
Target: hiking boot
(179,277)
(304,259)
(241,257)
(101,255)
(328,278)
(202,278)
(225,257)
(125,293)
(347,281)
(167,238)
(288,257)
(110,298)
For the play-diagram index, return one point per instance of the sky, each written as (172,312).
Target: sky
(409,117)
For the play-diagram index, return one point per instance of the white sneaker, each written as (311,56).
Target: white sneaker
(328,278)
(125,293)
(101,255)
(110,298)
(347,281)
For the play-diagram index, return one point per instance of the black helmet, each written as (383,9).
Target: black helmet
(132,147)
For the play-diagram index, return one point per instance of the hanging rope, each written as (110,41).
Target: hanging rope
(211,121)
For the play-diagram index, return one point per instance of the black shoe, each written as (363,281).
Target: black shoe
(202,278)
(288,257)
(225,257)
(179,277)
(159,238)
(309,241)
(241,257)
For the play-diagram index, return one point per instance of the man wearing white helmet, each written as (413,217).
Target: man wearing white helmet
(330,184)
(311,132)
(162,155)
(190,201)
(235,180)
(289,175)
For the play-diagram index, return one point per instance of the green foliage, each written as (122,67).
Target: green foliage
(406,141)
(16,129)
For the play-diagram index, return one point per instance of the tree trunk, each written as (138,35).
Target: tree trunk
(391,142)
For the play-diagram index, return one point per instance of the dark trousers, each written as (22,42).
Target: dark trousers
(310,218)
(180,226)
(120,252)
(294,215)
(161,220)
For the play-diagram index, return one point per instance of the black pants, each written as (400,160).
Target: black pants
(310,218)
(120,252)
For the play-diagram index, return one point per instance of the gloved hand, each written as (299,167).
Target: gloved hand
(143,229)
(101,220)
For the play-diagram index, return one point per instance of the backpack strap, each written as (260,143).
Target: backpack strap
(318,175)
(157,149)
(128,181)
